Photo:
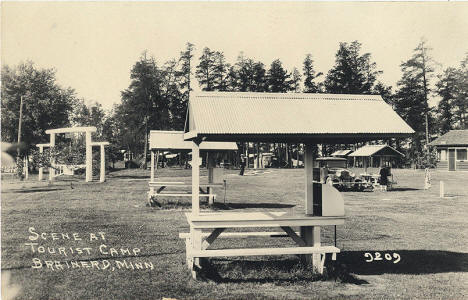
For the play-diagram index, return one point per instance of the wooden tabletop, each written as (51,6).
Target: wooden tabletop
(258,219)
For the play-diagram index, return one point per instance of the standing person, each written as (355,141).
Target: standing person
(242,165)
(383,178)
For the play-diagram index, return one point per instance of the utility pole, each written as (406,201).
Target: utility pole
(19,125)
(19,138)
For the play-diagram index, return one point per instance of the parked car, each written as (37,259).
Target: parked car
(340,177)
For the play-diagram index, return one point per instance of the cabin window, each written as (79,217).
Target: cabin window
(461,154)
(443,155)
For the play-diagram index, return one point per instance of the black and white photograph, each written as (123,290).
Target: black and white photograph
(234,150)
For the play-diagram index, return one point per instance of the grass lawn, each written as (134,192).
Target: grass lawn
(428,233)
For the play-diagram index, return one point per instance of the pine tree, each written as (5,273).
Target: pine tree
(205,70)
(278,78)
(446,88)
(414,89)
(353,73)
(309,75)
(295,80)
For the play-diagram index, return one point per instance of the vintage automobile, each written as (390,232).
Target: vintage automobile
(337,174)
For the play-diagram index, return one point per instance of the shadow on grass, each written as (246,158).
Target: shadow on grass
(36,190)
(163,203)
(181,204)
(258,205)
(403,189)
(129,177)
(228,206)
(411,262)
(345,268)
(287,271)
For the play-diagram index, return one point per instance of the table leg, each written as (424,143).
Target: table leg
(209,191)
(311,236)
(196,246)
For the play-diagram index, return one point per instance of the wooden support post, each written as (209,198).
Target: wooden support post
(152,172)
(210,164)
(89,158)
(309,168)
(102,176)
(311,236)
(41,169)
(195,178)
(52,160)
(196,246)
(26,167)
(152,165)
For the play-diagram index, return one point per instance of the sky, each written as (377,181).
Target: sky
(93,45)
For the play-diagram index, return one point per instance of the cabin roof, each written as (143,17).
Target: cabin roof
(376,150)
(452,138)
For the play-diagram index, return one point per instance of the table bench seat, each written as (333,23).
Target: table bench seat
(180,195)
(266,251)
(234,235)
(182,184)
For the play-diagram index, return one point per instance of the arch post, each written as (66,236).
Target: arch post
(102,177)
(52,159)
(89,158)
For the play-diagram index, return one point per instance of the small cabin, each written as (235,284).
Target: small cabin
(375,156)
(452,149)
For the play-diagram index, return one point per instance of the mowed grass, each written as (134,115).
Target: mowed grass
(429,234)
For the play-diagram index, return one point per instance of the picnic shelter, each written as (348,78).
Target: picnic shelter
(173,141)
(285,118)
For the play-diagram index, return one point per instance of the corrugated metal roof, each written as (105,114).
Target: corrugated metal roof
(453,137)
(174,140)
(225,113)
(373,150)
(342,152)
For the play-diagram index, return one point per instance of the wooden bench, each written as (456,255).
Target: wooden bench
(308,239)
(208,193)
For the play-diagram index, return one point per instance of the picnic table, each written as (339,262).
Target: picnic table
(205,228)
(179,189)
(374,180)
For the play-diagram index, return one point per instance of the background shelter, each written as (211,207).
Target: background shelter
(452,149)
(375,156)
(275,117)
(173,141)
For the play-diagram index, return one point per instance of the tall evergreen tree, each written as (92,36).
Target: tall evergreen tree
(143,104)
(220,71)
(278,78)
(205,70)
(247,75)
(310,86)
(446,88)
(295,80)
(353,73)
(414,89)
(183,78)
(461,100)
(384,91)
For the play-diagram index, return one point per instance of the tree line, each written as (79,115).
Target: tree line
(157,95)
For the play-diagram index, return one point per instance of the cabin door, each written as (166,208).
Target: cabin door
(451,159)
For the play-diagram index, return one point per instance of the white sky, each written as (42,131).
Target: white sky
(93,45)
